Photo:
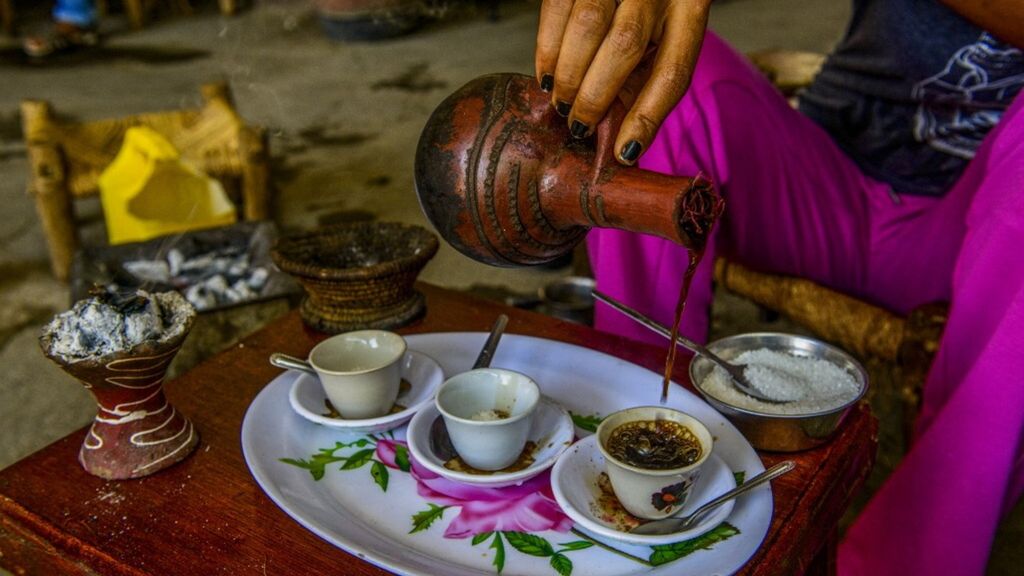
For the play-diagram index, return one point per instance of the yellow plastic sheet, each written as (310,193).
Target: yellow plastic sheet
(149,191)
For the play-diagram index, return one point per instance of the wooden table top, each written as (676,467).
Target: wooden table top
(208,516)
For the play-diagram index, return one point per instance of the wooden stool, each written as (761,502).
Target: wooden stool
(67,158)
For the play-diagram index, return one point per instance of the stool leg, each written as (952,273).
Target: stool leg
(228,7)
(6,16)
(136,13)
(48,185)
(255,174)
(55,213)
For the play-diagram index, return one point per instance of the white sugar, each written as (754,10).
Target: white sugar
(94,328)
(807,385)
(487,416)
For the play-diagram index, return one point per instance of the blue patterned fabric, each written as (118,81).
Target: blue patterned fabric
(911,91)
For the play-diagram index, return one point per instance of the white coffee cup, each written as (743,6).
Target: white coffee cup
(360,371)
(465,398)
(652,493)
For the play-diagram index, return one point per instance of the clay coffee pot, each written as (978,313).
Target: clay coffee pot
(502,180)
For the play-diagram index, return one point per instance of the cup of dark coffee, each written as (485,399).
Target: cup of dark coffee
(653,457)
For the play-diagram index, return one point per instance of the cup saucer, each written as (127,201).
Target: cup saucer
(551,432)
(575,482)
(422,372)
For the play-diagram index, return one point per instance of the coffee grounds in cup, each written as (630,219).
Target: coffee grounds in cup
(654,444)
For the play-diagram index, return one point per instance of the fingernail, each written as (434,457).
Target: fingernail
(563,108)
(578,129)
(631,151)
(547,82)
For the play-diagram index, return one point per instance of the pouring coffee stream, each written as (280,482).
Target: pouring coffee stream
(735,372)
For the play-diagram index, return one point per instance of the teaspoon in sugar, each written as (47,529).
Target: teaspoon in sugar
(670,525)
(738,378)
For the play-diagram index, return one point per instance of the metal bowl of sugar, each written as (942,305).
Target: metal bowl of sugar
(832,383)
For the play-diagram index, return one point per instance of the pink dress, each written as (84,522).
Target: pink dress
(797,205)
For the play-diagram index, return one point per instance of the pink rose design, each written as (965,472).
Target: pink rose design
(529,507)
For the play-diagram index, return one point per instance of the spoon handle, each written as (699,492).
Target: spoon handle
(735,372)
(483,360)
(290,362)
(766,476)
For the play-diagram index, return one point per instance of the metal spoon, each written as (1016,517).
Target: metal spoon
(440,442)
(739,379)
(290,363)
(671,525)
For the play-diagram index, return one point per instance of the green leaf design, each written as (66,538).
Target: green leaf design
(380,475)
(481,537)
(402,458)
(665,553)
(561,564)
(315,464)
(739,476)
(577,545)
(499,552)
(358,459)
(529,544)
(325,456)
(588,423)
(422,520)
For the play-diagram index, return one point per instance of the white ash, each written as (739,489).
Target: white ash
(806,385)
(220,277)
(96,327)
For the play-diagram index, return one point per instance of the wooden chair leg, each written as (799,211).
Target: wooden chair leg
(6,16)
(228,7)
(256,174)
(184,7)
(49,187)
(136,13)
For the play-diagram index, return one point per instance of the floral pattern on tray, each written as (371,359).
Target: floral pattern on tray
(511,517)
(337,484)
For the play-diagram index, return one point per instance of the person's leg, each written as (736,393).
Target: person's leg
(938,512)
(794,202)
(74,27)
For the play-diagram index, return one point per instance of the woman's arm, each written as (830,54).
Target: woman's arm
(1003,18)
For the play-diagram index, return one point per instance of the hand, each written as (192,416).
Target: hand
(643,51)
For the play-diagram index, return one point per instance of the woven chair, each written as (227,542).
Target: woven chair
(862,328)
(67,158)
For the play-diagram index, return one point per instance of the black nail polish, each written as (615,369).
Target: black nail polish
(578,129)
(547,82)
(563,108)
(631,151)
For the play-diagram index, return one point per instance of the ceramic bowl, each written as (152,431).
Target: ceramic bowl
(552,431)
(575,482)
(780,432)
(422,372)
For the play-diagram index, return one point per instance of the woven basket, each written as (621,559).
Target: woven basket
(358,276)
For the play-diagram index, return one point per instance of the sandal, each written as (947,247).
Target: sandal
(64,37)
